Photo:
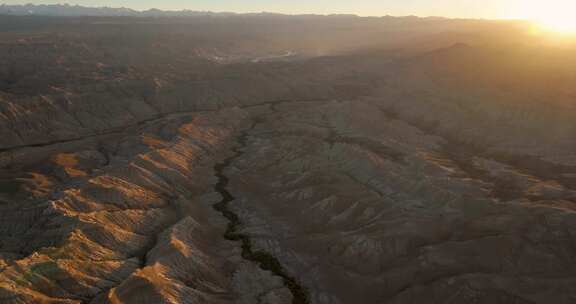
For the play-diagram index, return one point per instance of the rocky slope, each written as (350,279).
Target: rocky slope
(178,161)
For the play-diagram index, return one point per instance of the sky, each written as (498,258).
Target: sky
(491,9)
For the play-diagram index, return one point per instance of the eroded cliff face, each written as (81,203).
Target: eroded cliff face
(142,163)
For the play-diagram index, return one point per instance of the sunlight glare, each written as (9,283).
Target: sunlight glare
(552,15)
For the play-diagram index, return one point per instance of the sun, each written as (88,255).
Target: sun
(558,22)
(549,15)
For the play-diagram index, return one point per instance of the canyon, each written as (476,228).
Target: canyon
(285,159)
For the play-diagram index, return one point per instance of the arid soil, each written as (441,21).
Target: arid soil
(277,160)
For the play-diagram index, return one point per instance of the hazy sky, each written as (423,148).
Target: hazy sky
(449,8)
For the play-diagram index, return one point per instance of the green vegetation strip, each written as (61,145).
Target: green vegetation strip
(265,260)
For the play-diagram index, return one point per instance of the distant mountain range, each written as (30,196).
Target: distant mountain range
(77,10)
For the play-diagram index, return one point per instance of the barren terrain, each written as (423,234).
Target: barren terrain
(285,159)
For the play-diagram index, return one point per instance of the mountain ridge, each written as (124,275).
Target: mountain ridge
(68,10)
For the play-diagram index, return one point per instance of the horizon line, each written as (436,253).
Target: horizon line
(262,12)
